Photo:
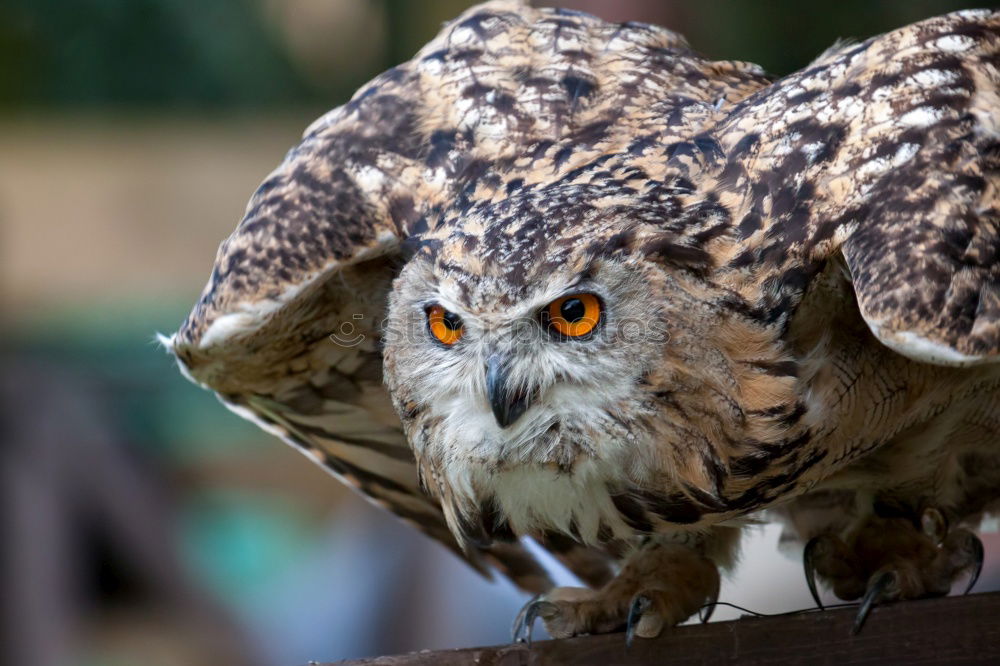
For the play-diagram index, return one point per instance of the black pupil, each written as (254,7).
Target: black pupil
(573,310)
(452,321)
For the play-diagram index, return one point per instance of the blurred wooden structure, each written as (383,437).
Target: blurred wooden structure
(954,630)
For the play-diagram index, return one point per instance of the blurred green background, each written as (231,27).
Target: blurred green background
(141,522)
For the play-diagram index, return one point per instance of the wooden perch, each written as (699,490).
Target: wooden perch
(954,630)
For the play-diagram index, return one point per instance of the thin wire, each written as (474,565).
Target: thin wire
(794,612)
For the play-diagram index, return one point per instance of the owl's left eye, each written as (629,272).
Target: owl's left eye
(573,316)
(444,325)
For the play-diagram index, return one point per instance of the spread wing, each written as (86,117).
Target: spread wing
(287,330)
(888,152)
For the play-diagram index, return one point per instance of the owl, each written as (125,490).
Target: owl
(567,280)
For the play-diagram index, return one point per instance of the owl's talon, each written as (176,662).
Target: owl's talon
(809,564)
(977,562)
(876,591)
(519,621)
(660,585)
(524,623)
(705,612)
(893,558)
(640,604)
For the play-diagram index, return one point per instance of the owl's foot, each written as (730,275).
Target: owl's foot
(888,559)
(660,585)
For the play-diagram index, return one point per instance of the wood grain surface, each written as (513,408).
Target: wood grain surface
(954,630)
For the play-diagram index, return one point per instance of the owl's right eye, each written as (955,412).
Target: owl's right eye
(573,316)
(445,326)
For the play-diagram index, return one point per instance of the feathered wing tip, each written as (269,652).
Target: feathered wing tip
(888,152)
(926,260)
(165,341)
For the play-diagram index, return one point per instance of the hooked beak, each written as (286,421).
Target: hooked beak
(508,406)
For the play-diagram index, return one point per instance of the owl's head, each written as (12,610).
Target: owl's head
(521,337)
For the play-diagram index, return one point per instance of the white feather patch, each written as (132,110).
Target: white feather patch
(921,349)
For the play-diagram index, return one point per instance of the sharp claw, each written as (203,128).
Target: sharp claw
(808,564)
(640,604)
(871,597)
(520,621)
(977,561)
(518,627)
(524,623)
(529,622)
(705,612)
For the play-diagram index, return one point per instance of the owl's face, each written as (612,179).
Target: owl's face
(524,349)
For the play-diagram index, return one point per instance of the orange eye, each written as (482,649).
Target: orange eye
(445,326)
(573,316)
